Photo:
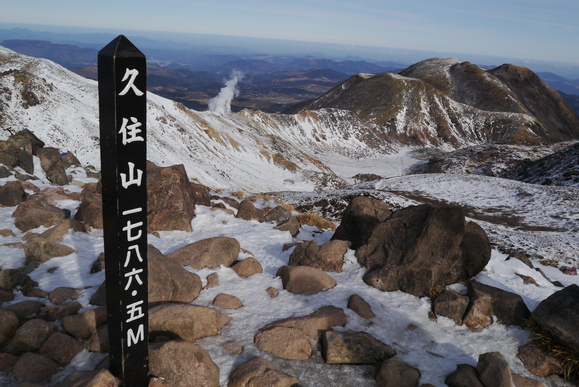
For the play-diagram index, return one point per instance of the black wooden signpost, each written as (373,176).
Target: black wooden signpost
(122,110)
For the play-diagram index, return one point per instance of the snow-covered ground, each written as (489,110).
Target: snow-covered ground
(435,348)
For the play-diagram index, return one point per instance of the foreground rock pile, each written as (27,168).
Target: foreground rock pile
(418,250)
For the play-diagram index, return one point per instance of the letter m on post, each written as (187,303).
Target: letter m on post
(122,110)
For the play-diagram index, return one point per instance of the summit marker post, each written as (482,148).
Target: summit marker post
(122,115)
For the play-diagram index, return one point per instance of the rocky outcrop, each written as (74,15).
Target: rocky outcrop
(421,249)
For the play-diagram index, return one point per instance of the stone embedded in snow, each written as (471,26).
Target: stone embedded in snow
(207,253)
(327,257)
(451,304)
(101,377)
(493,370)
(360,306)
(292,225)
(53,166)
(259,372)
(185,321)
(182,364)
(509,308)
(62,294)
(248,211)
(354,348)
(538,361)
(521,381)
(394,373)
(305,280)
(278,215)
(558,315)
(359,219)
(421,249)
(25,309)
(320,320)
(42,250)
(12,193)
(10,278)
(58,312)
(227,301)
(57,232)
(247,267)
(284,342)
(212,280)
(464,375)
(37,216)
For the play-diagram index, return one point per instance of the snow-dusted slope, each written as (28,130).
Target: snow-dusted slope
(248,150)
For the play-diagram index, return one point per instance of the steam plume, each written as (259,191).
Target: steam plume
(222,102)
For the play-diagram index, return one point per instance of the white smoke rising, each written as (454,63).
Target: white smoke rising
(222,102)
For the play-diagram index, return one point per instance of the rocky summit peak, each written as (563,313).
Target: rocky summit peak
(444,101)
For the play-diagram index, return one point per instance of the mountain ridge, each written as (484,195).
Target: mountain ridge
(454,100)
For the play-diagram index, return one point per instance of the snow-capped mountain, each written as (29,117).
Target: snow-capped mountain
(255,151)
(445,101)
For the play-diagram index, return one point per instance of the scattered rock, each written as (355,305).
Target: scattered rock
(247,267)
(99,341)
(11,278)
(493,370)
(34,217)
(62,294)
(278,215)
(7,360)
(305,280)
(99,264)
(212,280)
(57,232)
(233,347)
(360,306)
(259,372)
(90,210)
(227,301)
(42,250)
(170,198)
(320,320)
(292,225)
(394,373)
(25,309)
(521,381)
(451,304)
(273,292)
(168,281)
(32,367)
(58,312)
(327,257)
(509,308)
(354,348)
(186,321)
(284,342)
(12,193)
(32,335)
(84,325)
(5,296)
(420,249)
(248,211)
(52,164)
(8,325)
(61,348)
(210,253)
(359,219)
(558,315)
(538,361)
(183,364)
(97,378)
(464,376)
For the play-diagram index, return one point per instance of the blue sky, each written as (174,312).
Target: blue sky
(546,30)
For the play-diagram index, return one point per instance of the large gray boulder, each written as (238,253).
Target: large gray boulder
(558,315)
(421,249)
